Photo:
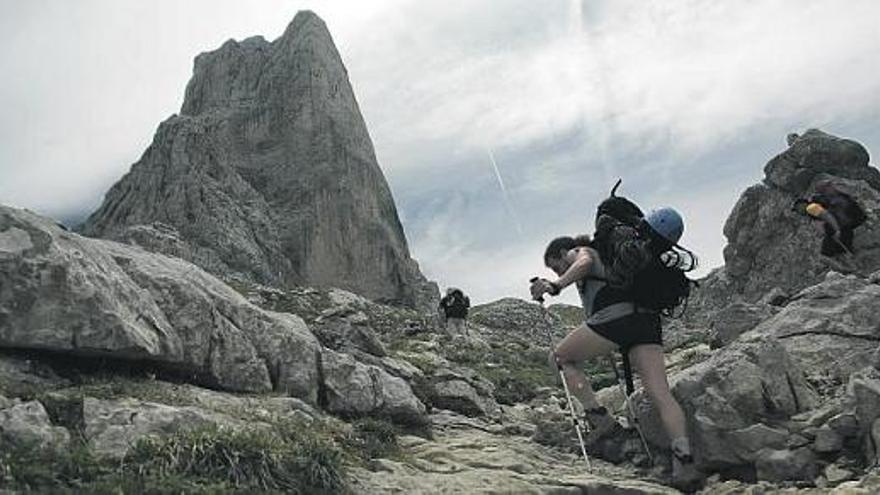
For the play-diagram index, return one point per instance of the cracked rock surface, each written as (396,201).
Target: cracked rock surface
(66,293)
(269,173)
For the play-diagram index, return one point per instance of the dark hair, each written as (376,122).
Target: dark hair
(565,244)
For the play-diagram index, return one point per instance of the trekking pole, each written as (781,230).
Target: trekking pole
(842,245)
(572,414)
(849,255)
(630,408)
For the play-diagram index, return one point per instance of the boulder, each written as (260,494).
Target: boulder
(827,441)
(830,329)
(868,485)
(112,427)
(27,424)
(347,333)
(88,298)
(736,402)
(786,465)
(460,396)
(836,474)
(352,388)
(845,424)
(734,320)
(401,368)
(462,390)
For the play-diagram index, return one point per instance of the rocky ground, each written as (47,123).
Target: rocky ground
(400,406)
(156,362)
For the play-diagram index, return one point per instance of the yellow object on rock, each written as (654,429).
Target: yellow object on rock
(815,210)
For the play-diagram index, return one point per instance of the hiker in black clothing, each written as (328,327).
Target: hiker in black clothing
(840,215)
(615,322)
(454,310)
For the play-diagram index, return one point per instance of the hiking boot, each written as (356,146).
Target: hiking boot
(685,476)
(602,425)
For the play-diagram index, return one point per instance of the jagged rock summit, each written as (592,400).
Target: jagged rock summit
(269,174)
(772,249)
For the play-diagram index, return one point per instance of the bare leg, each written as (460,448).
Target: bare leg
(578,346)
(648,360)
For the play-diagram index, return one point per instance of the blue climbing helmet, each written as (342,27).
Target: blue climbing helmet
(667,223)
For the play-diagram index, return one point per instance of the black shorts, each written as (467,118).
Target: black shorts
(632,330)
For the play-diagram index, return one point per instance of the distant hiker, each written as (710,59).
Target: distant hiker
(614,320)
(454,310)
(840,215)
(791,138)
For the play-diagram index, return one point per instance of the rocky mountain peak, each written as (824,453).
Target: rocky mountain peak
(773,249)
(816,152)
(269,173)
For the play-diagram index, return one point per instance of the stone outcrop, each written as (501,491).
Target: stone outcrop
(464,392)
(814,153)
(770,247)
(830,330)
(86,297)
(269,173)
(351,388)
(737,403)
(28,424)
(734,320)
(112,427)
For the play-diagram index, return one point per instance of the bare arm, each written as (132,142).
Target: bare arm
(582,262)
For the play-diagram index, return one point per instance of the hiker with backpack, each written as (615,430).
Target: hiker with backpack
(453,310)
(839,215)
(629,274)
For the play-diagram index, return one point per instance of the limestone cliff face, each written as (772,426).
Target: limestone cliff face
(269,173)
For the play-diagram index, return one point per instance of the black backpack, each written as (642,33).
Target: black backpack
(648,268)
(844,208)
(457,304)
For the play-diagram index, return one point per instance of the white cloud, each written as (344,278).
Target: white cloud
(679,76)
(569,94)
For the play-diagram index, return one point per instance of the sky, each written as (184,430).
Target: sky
(499,124)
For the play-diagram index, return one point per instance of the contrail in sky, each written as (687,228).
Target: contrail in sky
(504,194)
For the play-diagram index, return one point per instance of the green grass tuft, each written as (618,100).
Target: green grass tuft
(290,459)
(374,438)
